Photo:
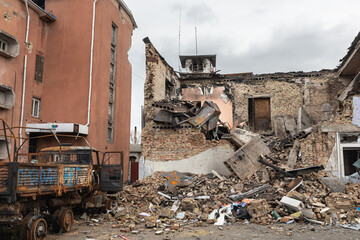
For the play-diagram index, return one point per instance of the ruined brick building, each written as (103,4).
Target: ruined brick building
(55,72)
(282,104)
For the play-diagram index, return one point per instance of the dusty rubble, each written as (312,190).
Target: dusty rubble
(168,201)
(264,188)
(267,185)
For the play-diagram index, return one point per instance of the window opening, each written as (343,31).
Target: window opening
(35,108)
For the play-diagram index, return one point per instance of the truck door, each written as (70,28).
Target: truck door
(111,173)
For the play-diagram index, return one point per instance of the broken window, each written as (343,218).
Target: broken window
(39,68)
(110,131)
(35,112)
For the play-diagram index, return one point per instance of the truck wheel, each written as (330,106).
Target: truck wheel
(66,219)
(38,230)
(55,222)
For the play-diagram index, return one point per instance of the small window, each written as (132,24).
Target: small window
(39,68)
(113,34)
(3,45)
(35,108)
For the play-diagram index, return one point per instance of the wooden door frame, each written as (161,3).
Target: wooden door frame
(251,109)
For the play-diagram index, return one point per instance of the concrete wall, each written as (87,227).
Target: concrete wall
(204,162)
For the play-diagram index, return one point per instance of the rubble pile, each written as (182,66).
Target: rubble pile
(168,201)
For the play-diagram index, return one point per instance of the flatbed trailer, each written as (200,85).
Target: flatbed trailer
(41,190)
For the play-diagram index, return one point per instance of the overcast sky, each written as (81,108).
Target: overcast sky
(259,36)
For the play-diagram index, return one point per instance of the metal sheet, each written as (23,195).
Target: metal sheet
(206,112)
(164,117)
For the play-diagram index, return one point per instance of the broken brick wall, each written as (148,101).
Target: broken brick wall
(166,144)
(170,144)
(317,147)
(161,80)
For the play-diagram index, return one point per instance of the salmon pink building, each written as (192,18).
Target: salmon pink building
(64,68)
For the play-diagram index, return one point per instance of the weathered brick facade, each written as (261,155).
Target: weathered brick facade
(170,144)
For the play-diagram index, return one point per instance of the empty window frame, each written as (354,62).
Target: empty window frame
(3,45)
(39,68)
(110,127)
(35,112)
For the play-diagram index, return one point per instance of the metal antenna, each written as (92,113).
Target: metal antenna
(196,38)
(179,38)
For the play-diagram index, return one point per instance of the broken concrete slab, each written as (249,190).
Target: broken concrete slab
(279,127)
(239,137)
(343,128)
(255,148)
(293,155)
(335,184)
(290,124)
(304,120)
(244,163)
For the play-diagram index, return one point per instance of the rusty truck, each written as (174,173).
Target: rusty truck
(39,191)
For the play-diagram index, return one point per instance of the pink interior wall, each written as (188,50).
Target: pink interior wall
(194,94)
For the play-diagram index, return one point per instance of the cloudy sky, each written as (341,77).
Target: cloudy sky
(259,36)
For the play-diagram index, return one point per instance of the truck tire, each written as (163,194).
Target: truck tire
(37,230)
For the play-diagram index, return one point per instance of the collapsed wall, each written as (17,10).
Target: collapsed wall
(163,145)
(280,104)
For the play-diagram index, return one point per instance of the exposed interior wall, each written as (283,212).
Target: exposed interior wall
(215,94)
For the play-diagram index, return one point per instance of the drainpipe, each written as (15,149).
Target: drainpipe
(25,66)
(91,61)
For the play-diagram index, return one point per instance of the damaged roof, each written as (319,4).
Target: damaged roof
(350,62)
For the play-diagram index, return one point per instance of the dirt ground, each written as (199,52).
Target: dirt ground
(82,231)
